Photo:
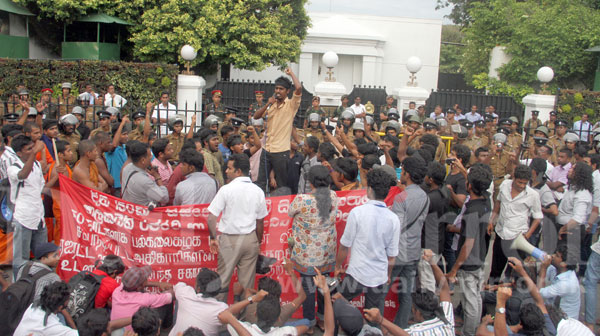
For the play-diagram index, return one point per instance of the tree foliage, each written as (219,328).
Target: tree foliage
(460,10)
(248,33)
(451,50)
(535,33)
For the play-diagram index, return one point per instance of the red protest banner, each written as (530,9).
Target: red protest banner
(173,240)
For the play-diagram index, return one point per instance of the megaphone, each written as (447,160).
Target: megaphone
(521,243)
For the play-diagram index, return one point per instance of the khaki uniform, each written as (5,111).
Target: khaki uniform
(317,133)
(74,139)
(530,125)
(65,104)
(514,141)
(374,136)
(99,129)
(551,126)
(475,142)
(556,144)
(500,167)
(440,151)
(176,142)
(213,166)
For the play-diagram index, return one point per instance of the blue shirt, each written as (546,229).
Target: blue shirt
(566,286)
(371,232)
(115,161)
(225,151)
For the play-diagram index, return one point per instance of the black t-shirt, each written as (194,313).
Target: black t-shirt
(294,172)
(459,185)
(474,225)
(434,227)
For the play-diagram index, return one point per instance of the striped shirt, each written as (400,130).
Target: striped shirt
(572,327)
(435,326)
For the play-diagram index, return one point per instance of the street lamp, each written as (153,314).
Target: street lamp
(188,53)
(545,75)
(330,59)
(413,65)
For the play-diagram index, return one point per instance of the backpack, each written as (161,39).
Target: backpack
(6,206)
(83,287)
(15,300)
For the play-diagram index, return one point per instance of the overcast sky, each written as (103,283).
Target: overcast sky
(405,8)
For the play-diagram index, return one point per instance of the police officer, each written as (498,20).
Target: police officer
(347,120)
(532,123)
(216,107)
(177,138)
(551,123)
(500,161)
(314,127)
(138,126)
(514,138)
(212,122)
(103,123)
(259,95)
(68,133)
(431,126)
(65,100)
(478,138)
(371,129)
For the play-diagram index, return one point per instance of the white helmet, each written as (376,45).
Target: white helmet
(68,119)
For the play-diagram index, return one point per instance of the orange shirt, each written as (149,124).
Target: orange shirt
(49,159)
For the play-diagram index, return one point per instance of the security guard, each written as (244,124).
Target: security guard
(532,123)
(216,107)
(430,126)
(138,126)
(104,123)
(65,101)
(557,141)
(176,138)
(68,133)
(500,161)
(478,138)
(314,127)
(551,123)
(259,95)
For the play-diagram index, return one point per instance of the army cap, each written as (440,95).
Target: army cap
(542,129)
(561,123)
(414,118)
(429,123)
(514,120)
(66,86)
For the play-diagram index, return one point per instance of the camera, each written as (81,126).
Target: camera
(332,284)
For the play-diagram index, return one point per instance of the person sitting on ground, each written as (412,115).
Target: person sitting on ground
(111,267)
(97,323)
(42,318)
(198,187)
(566,326)
(558,280)
(146,322)
(198,307)
(86,171)
(130,296)
(47,256)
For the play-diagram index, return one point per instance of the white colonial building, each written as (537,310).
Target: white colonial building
(372,50)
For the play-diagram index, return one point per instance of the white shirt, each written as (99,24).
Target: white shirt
(435,326)
(254,330)
(163,112)
(32,323)
(118,101)
(372,232)
(6,160)
(358,109)
(514,213)
(91,97)
(596,194)
(583,130)
(242,203)
(194,310)
(572,327)
(434,117)
(29,208)
(576,205)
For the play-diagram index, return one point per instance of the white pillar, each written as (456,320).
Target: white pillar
(330,92)
(407,94)
(542,103)
(189,94)
(369,70)
(305,64)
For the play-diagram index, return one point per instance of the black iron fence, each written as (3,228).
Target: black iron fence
(505,106)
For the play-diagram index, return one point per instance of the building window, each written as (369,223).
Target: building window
(4,23)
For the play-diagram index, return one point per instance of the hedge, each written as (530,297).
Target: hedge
(572,104)
(137,82)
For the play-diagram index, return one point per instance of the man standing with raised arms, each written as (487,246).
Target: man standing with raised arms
(280,116)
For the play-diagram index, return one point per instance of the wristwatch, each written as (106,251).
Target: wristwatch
(250,299)
(501,310)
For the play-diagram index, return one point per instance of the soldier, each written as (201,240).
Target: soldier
(65,101)
(258,95)
(46,98)
(371,130)
(314,127)
(216,107)
(338,112)
(383,109)
(500,161)
(103,123)
(314,108)
(515,139)
(478,138)
(532,123)
(551,123)
(557,141)
(176,138)
(392,114)
(68,133)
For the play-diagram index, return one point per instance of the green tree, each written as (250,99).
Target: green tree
(451,50)
(460,10)
(535,33)
(250,34)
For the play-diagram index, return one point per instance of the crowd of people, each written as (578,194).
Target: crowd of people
(471,184)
